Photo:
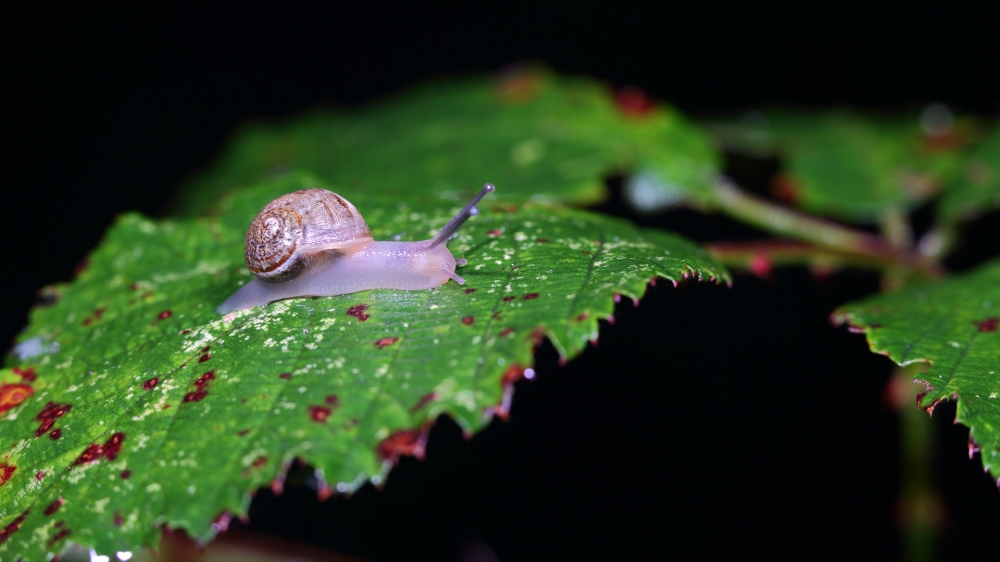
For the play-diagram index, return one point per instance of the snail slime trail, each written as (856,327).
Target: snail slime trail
(315,243)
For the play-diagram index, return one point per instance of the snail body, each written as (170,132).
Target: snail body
(315,243)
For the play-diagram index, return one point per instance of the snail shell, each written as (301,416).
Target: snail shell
(293,228)
(314,243)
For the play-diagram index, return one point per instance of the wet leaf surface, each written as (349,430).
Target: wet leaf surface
(129,404)
(540,136)
(952,325)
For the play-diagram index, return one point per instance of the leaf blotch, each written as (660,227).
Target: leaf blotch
(201,388)
(62,534)
(151,383)
(11,527)
(6,471)
(12,395)
(27,375)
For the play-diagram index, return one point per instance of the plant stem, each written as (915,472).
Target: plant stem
(751,255)
(786,222)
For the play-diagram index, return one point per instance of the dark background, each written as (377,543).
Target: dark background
(708,422)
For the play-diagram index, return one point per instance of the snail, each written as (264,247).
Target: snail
(314,243)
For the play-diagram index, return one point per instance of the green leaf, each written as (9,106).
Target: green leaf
(952,325)
(542,137)
(977,187)
(850,165)
(145,408)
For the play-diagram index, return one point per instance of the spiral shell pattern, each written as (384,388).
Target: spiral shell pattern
(293,228)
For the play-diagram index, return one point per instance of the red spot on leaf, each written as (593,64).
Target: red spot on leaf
(6,471)
(585,252)
(118,519)
(508,299)
(48,416)
(285,376)
(530,296)
(12,395)
(332,400)
(56,433)
(12,527)
(506,331)
(27,375)
(542,240)
(60,536)
(259,461)
(87,321)
(201,387)
(206,349)
(54,506)
(581,317)
(495,232)
(358,311)
(987,324)
(319,414)
(164,315)
(385,342)
(185,331)
(242,432)
(468,320)
(40,475)
(151,383)
(513,374)
(205,357)
(469,291)
(94,452)
(424,400)
(633,102)
(406,442)
(125,474)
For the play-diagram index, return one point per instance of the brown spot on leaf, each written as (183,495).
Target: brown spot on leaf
(332,400)
(405,442)
(194,396)
(358,311)
(509,298)
(469,291)
(125,474)
(56,433)
(201,387)
(205,357)
(118,519)
(506,331)
(151,383)
(542,240)
(164,315)
(385,342)
(285,376)
(185,331)
(530,296)
(12,395)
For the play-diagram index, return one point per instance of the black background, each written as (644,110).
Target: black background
(709,421)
